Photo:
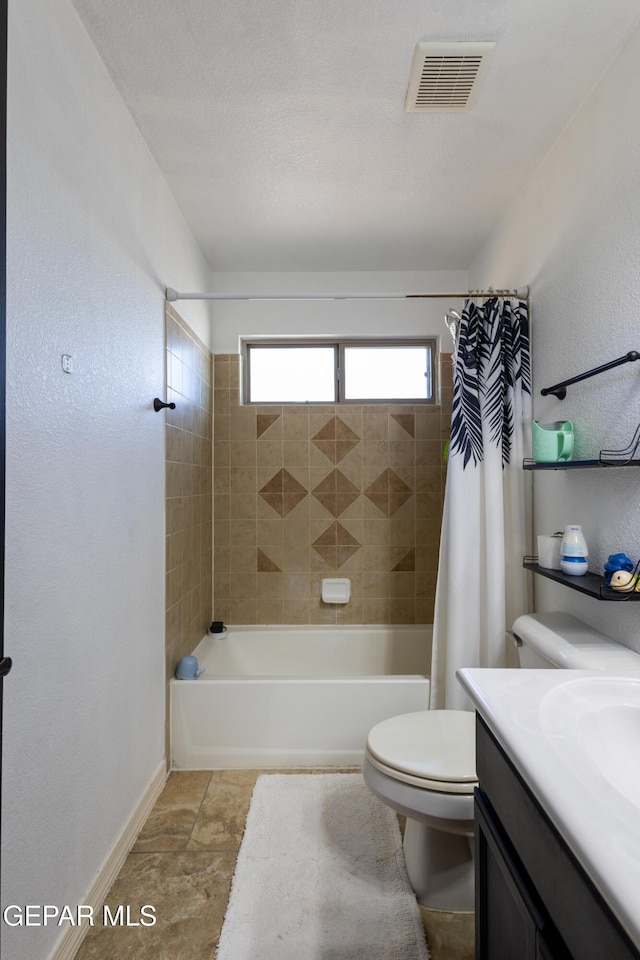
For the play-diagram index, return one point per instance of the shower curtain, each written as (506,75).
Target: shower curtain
(481,586)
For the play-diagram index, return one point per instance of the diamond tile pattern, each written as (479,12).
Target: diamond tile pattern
(388,492)
(283,492)
(407,421)
(264,421)
(335,439)
(336,492)
(303,492)
(265,564)
(406,563)
(336,545)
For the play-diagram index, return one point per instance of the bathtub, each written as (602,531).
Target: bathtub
(286,696)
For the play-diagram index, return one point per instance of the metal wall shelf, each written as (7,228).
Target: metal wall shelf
(591,584)
(575,465)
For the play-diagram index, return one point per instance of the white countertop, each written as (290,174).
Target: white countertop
(535,722)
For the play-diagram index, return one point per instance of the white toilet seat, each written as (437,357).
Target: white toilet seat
(435,786)
(430,749)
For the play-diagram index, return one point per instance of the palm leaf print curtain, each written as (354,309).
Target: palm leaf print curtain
(481,584)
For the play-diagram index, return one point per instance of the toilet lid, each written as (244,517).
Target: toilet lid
(432,744)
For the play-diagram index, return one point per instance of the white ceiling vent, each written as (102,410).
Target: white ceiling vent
(444,76)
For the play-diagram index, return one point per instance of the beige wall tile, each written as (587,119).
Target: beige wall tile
(242,480)
(221,428)
(296,559)
(351,612)
(242,611)
(425,584)
(270,586)
(242,585)
(189,490)
(424,614)
(375,611)
(242,506)
(269,428)
(428,426)
(296,585)
(295,425)
(319,612)
(270,610)
(402,585)
(269,454)
(295,453)
(221,373)
(242,428)
(375,584)
(402,611)
(284,528)
(296,611)
(374,558)
(242,453)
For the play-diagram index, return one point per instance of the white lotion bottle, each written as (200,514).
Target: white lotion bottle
(574,554)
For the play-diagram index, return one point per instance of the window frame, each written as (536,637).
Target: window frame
(432,344)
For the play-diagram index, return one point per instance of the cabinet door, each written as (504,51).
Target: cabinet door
(510,924)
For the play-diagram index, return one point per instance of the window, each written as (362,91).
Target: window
(347,371)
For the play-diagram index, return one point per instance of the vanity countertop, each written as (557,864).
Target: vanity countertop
(554,726)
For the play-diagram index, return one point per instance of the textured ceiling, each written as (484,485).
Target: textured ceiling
(280,125)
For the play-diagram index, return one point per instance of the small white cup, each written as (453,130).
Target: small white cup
(549,552)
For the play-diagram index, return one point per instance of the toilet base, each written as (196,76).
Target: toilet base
(439,867)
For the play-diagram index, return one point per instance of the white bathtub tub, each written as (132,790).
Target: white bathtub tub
(295,696)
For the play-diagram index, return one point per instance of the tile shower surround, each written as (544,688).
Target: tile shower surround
(188,505)
(306,492)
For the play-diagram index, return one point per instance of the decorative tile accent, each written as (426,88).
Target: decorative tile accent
(288,479)
(408,562)
(388,492)
(336,492)
(265,564)
(335,439)
(407,421)
(264,421)
(283,492)
(336,545)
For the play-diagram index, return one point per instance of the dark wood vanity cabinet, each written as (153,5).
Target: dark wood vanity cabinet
(534,901)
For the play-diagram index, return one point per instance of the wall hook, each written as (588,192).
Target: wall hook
(158,405)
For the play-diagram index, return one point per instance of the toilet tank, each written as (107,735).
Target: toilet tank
(560,641)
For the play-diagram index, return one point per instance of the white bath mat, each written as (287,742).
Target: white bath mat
(320,876)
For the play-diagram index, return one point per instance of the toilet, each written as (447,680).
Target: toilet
(423,764)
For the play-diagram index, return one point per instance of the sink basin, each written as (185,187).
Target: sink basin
(594,722)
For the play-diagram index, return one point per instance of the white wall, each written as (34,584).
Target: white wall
(94,236)
(235,319)
(574,235)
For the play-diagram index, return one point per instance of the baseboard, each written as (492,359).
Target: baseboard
(68,946)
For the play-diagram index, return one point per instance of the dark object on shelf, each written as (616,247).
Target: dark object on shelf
(590,584)
(217,626)
(559,390)
(158,405)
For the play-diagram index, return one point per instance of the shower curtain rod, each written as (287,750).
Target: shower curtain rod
(173,295)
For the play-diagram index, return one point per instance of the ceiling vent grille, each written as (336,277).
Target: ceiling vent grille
(444,76)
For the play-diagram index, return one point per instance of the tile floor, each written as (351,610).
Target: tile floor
(182,864)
